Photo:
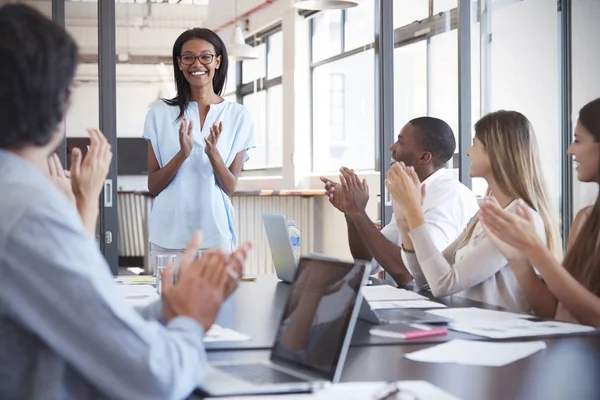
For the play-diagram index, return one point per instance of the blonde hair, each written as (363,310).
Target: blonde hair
(511,145)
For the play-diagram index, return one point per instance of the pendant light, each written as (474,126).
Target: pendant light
(238,49)
(317,5)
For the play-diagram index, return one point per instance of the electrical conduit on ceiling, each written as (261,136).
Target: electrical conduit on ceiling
(245,15)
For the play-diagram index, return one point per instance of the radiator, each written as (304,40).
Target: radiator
(134,207)
(249,225)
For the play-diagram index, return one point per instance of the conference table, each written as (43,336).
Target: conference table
(569,368)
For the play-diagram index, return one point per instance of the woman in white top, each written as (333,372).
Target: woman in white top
(570,293)
(505,154)
(197,144)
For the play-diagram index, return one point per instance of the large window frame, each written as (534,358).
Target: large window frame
(263,83)
(338,55)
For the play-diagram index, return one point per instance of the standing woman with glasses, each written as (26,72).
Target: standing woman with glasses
(197,143)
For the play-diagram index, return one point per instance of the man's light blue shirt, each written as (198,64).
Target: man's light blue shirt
(66,330)
(193,200)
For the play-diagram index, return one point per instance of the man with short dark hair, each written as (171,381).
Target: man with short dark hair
(66,331)
(427,144)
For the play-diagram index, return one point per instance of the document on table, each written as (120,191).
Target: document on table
(473,314)
(471,352)
(389,293)
(364,391)
(382,305)
(514,328)
(139,294)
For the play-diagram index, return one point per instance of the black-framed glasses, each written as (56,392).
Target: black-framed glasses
(204,59)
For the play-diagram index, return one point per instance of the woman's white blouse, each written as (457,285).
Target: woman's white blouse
(193,199)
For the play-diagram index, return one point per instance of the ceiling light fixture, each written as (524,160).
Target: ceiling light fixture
(238,49)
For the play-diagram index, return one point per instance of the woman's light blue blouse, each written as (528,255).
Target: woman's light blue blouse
(193,199)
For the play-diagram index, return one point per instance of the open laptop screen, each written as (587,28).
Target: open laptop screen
(318,314)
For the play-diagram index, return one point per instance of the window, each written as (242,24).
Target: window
(275,56)
(337,92)
(231,84)
(410,83)
(443,5)
(343,92)
(326,30)
(253,70)
(408,11)
(343,114)
(425,66)
(359,26)
(262,93)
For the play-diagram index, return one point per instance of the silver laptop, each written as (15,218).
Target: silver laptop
(312,339)
(396,315)
(281,248)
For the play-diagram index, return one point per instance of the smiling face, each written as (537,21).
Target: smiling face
(586,153)
(198,62)
(480,160)
(406,148)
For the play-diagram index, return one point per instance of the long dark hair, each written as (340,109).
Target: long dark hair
(583,258)
(183,87)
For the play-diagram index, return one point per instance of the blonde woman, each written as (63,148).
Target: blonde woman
(570,293)
(504,153)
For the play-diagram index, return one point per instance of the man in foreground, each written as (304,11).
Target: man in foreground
(66,331)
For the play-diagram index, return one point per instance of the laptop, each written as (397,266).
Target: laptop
(312,339)
(281,247)
(398,315)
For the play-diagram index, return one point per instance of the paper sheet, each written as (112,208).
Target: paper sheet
(471,352)
(363,391)
(139,294)
(382,305)
(471,314)
(389,293)
(217,333)
(504,329)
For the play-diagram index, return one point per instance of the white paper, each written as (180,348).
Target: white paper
(362,391)
(504,329)
(139,294)
(382,305)
(217,333)
(389,293)
(473,314)
(471,352)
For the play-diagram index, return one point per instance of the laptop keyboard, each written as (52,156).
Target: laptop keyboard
(259,374)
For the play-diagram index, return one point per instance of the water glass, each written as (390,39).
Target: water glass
(163,261)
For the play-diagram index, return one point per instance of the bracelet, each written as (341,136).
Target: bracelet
(404,249)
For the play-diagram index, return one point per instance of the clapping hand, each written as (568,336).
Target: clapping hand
(213,138)
(516,231)
(60,177)
(186,137)
(88,175)
(203,283)
(406,190)
(335,194)
(356,193)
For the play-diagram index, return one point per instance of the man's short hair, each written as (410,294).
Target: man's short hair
(38,63)
(436,137)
